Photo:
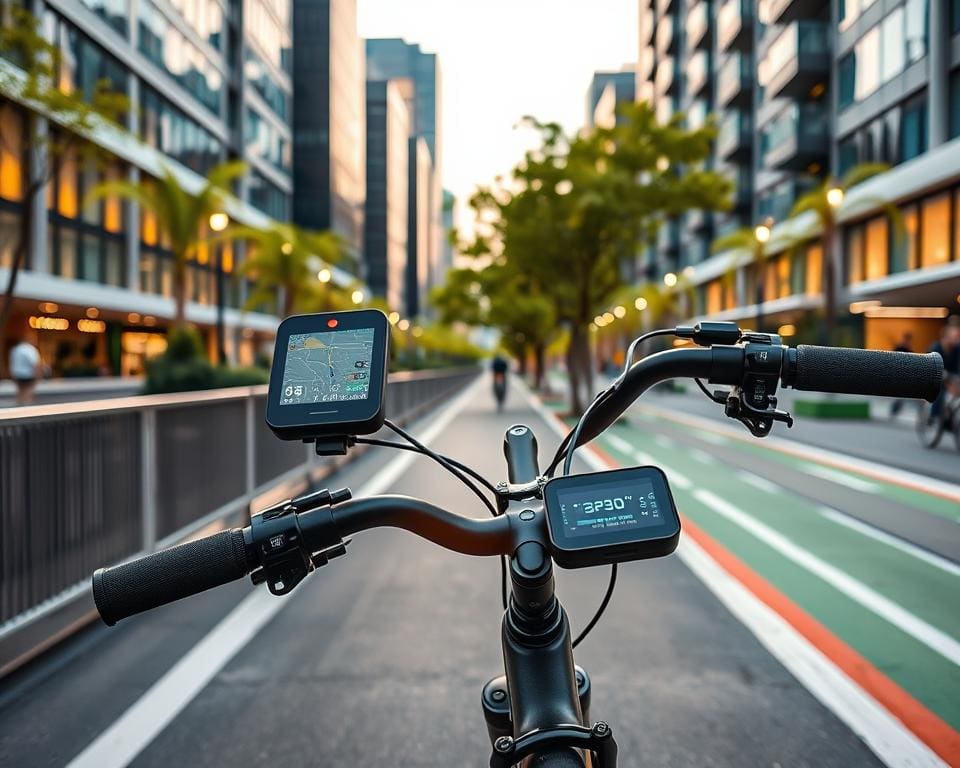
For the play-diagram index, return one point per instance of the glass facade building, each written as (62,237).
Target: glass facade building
(328,74)
(193,102)
(419,78)
(386,227)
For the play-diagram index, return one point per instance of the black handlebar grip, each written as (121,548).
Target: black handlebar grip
(868,372)
(169,575)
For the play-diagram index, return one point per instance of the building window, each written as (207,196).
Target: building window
(11,154)
(114,12)
(847,72)
(714,297)
(894,45)
(916,29)
(955,102)
(877,248)
(814,269)
(913,128)
(798,273)
(935,230)
(854,252)
(954,16)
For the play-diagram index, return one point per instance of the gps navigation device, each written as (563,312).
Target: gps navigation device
(599,518)
(329,375)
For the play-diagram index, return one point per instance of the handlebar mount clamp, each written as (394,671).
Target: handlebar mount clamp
(597,740)
(753,403)
(278,543)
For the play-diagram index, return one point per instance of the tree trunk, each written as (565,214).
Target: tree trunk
(829,285)
(522,365)
(573,375)
(20,252)
(539,365)
(580,368)
(179,290)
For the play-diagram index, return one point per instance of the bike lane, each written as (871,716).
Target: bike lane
(892,607)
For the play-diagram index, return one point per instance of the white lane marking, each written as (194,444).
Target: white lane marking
(889,739)
(894,541)
(865,486)
(893,743)
(712,437)
(119,744)
(759,482)
(663,441)
(619,444)
(935,639)
(873,469)
(702,456)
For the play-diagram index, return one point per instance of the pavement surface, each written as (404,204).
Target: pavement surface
(378,659)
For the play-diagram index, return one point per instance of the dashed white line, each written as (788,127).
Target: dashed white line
(712,437)
(702,456)
(935,639)
(894,541)
(759,482)
(841,478)
(619,444)
(663,441)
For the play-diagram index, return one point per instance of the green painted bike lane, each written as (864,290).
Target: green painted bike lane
(920,588)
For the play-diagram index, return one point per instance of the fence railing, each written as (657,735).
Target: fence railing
(87,484)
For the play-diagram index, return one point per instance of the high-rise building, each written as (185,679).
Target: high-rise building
(207,81)
(449,206)
(393,59)
(418,226)
(385,234)
(802,91)
(607,89)
(328,77)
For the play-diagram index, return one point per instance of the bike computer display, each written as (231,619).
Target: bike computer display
(610,517)
(329,374)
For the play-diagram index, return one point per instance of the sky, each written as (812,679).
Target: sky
(501,60)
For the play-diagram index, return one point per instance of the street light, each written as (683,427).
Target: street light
(669,279)
(762,231)
(219,221)
(640,304)
(286,249)
(404,324)
(620,311)
(394,318)
(834,197)
(357,297)
(324,275)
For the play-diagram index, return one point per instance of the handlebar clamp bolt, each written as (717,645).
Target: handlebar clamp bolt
(601,729)
(503,745)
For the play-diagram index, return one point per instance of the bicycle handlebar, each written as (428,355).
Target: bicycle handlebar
(170,574)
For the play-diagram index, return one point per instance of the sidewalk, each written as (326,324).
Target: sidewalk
(71,390)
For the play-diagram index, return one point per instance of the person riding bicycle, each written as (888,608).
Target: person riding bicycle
(948,347)
(499,366)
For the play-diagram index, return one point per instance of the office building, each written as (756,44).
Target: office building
(328,120)
(420,176)
(395,59)
(207,81)
(449,209)
(802,91)
(385,233)
(607,89)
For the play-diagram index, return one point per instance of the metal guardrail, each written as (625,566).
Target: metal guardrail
(87,484)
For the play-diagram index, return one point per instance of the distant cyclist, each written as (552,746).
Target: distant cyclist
(948,347)
(500,367)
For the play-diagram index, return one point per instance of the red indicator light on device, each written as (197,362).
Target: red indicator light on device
(332,322)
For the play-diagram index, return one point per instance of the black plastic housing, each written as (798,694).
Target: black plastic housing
(611,546)
(309,421)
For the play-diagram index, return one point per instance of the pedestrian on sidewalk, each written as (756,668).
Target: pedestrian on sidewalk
(25,366)
(904,345)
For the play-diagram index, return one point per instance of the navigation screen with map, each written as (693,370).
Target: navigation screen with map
(327,367)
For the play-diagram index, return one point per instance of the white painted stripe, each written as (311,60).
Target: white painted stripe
(864,467)
(712,437)
(893,743)
(119,744)
(676,478)
(865,486)
(663,441)
(702,456)
(889,739)
(759,482)
(619,444)
(894,541)
(935,639)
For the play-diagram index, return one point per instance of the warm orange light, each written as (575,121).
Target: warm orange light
(133,317)
(49,307)
(48,323)
(226,258)
(150,320)
(91,326)
(93,313)
(149,227)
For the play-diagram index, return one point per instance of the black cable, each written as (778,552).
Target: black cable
(451,465)
(710,394)
(603,606)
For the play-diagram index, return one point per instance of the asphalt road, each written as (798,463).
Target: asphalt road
(378,659)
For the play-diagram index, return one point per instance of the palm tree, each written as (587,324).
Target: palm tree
(291,261)
(181,215)
(825,201)
(753,240)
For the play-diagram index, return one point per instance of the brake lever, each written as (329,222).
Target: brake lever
(758,421)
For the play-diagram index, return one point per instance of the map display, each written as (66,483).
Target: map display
(327,367)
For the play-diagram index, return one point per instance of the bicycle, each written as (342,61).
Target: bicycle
(538,711)
(930,428)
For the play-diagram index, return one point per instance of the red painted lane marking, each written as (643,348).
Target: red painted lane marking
(929,727)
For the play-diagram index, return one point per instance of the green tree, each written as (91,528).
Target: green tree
(30,75)
(825,201)
(578,207)
(286,260)
(182,216)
